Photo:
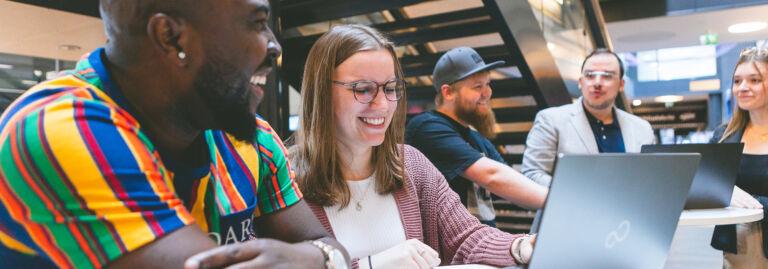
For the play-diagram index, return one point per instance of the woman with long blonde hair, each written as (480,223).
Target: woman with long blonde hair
(384,201)
(749,125)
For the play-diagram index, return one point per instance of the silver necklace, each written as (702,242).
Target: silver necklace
(358,205)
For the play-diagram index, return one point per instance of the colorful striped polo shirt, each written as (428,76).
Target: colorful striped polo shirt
(81,184)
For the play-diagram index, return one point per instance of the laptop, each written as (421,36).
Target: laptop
(613,210)
(713,184)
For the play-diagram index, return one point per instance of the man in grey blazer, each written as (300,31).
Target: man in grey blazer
(592,125)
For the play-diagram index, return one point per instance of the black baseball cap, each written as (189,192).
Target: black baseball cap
(457,64)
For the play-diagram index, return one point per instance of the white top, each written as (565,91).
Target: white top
(375,227)
(719,216)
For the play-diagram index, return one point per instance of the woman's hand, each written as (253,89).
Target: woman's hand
(522,249)
(409,254)
(742,199)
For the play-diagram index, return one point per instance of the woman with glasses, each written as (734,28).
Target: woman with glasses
(743,244)
(384,201)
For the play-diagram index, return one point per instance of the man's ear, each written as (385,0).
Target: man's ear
(167,34)
(447,92)
(580,81)
(621,86)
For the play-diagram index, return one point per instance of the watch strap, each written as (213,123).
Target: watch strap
(327,251)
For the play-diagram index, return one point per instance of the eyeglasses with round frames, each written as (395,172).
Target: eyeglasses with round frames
(365,91)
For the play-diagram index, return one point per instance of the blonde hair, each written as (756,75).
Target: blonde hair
(315,155)
(740,117)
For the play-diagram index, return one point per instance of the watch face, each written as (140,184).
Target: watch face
(338,260)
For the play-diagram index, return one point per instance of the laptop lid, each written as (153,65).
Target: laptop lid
(713,184)
(613,210)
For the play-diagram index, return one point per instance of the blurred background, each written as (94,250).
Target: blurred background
(679,55)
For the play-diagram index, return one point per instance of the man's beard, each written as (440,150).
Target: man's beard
(226,93)
(484,123)
(600,106)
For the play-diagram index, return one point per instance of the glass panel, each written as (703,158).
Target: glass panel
(646,56)
(34,37)
(669,54)
(691,68)
(677,63)
(648,71)
(18,73)
(564,26)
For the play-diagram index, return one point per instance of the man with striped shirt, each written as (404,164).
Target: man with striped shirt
(149,149)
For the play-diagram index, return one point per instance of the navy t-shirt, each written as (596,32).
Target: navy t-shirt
(450,146)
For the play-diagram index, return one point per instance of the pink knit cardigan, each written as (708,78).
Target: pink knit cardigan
(432,213)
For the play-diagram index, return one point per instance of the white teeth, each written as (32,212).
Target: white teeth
(373,121)
(259,80)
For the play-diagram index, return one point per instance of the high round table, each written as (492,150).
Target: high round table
(690,247)
(719,216)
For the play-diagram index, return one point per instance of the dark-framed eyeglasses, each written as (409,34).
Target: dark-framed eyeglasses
(366,91)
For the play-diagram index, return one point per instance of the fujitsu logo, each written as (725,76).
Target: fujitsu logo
(618,235)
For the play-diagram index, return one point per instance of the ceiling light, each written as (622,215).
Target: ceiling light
(668,98)
(6,66)
(550,45)
(637,102)
(747,27)
(28,82)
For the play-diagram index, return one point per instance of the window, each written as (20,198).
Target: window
(676,63)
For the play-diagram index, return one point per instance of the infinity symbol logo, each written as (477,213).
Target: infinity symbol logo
(618,235)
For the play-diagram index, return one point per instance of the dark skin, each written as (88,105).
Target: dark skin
(159,87)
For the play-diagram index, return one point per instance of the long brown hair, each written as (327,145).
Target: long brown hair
(314,154)
(740,117)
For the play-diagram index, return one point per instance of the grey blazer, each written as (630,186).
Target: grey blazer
(565,129)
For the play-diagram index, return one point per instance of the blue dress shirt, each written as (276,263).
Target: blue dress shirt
(607,136)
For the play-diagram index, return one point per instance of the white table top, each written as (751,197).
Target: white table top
(719,216)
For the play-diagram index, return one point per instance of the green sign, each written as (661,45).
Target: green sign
(708,39)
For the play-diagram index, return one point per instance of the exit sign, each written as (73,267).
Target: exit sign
(708,39)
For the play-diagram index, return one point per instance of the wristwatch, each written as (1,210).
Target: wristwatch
(333,257)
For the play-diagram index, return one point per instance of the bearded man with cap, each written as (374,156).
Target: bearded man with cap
(466,157)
